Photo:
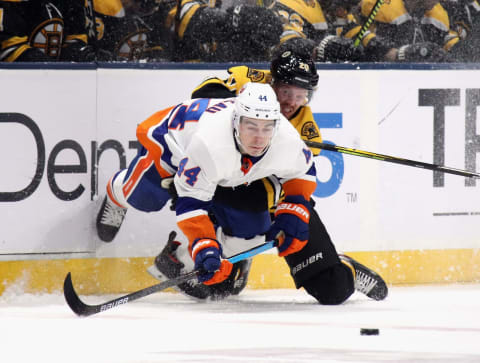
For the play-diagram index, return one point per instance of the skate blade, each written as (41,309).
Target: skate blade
(156,274)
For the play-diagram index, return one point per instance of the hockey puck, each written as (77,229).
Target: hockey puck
(368,331)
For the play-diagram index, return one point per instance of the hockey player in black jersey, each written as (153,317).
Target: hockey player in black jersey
(43,31)
(465,20)
(331,29)
(241,33)
(133,30)
(324,26)
(67,31)
(409,31)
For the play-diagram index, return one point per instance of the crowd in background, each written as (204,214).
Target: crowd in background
(238,31)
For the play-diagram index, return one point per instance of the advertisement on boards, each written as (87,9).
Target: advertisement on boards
(63,133)
(427,116)
(47,122)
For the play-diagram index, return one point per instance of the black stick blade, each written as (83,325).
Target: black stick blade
(74,301)
(82,309)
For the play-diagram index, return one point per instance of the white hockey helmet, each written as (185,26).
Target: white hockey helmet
(256,100)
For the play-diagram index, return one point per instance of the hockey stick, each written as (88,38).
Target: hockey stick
(368,22)
(91,24)
(82,309)
(391,159)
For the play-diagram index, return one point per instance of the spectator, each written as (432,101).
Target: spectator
(240,33)
(40,31)
(324,27)
(465,20)
(132,30)
(408,30)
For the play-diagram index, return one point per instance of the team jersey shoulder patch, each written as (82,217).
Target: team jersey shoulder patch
(256,75)
(309,130)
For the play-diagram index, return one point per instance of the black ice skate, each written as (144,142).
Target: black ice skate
(367,281)
(109,220)
(167,266)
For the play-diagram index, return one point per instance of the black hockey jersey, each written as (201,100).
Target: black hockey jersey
(400,26)
(131,36)
(41,30)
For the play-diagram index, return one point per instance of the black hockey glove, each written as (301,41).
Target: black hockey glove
(333,49)
(421,52)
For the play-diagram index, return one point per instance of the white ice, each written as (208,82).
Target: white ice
(417,324)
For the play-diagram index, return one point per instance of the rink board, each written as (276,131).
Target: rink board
(75,127)
(124,275)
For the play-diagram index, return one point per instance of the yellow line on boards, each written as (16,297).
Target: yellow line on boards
(124,275)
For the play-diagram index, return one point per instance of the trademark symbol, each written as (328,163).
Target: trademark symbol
(352,197)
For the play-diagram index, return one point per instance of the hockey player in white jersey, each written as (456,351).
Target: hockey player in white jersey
(208,143)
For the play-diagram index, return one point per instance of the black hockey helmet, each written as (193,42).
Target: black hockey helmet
(294,68)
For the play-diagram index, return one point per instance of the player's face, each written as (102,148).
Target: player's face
(255,135)
(290,97)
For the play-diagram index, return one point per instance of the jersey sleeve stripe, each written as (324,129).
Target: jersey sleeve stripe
(141,167)
(144,134)
(199,226)
(191,214)
(112,196)
(300,186)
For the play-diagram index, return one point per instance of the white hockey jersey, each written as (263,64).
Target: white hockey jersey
(195,140)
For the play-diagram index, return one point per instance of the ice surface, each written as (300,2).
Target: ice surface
(417,324)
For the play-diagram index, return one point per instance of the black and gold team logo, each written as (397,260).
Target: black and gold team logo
(255,75)
(132,46)
(309,130)
(48,37)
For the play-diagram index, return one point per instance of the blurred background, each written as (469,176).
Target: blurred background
(238,30)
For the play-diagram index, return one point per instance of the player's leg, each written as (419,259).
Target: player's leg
(139,186)
(322,273)
(174,260)
(241,215)
(112,212)
(318,269)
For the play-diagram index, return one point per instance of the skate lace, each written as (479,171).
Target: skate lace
(364,282)
(112,215)
(192,283)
